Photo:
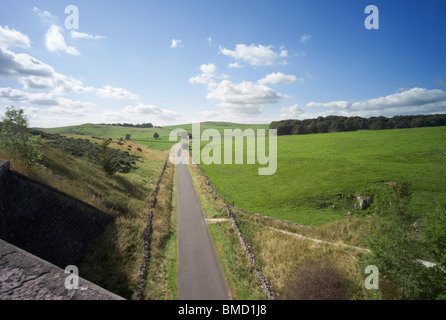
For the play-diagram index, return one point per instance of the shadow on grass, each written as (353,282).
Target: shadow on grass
(130,188)
(104,264)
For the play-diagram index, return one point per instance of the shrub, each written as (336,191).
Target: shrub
(17,140)
(317,280)
(108,159)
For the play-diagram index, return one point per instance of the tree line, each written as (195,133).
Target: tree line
(341,124)
(130,125)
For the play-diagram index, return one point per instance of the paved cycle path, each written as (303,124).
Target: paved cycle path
(200,276)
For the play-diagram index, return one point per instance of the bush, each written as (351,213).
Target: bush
(91,152)
(16,139)
(108,159)
(317,280)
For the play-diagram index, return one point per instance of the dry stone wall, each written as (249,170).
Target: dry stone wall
(265,285)
(147,234)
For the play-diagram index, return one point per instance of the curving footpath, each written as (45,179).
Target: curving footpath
(200,276)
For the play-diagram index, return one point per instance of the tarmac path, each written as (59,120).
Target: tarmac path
(200,276)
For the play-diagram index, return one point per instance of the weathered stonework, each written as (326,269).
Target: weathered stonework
(42,231)
(27,277)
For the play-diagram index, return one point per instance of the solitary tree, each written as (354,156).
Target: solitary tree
(16,139)
(156,135)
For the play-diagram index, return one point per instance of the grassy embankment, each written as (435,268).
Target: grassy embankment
(113,259)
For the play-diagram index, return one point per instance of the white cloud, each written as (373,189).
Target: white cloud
(115,93)
(175,43)
(207,76)
(10,38)
(209,114)
(305,37)
(82,35)
(209,40)
(45,15)
(283,52)
(22,64)
(279,77)
(234,65)
(34,74)
(412,101)
(55,41)
(42,99)
(292,112)
(254,55)
(408,98)
(245,98)
(77,112)
(150,110)
(209,68)
(330,105)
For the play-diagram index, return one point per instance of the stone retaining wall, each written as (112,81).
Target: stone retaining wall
(24,276)
(44,221)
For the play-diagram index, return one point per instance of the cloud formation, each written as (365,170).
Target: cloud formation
(411,101)
(305,37)
(292,112)
(254,55)
(11,38)
(115,93)
(41,99)
(245,98)
(45,15)
(55,41)
(279,77)
(150,110)
(208,75)
(175,43)
(82,35)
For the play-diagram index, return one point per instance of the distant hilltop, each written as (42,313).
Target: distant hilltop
(130,125)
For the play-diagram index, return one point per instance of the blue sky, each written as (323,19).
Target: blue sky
(172,62)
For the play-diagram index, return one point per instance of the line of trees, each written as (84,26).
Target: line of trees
(341,124)
(130,125)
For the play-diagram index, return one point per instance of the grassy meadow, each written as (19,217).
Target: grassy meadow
(317,181)
(319,176)
(142,136)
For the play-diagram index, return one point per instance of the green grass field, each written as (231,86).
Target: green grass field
(220,126)
(143,136)
(318,176)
